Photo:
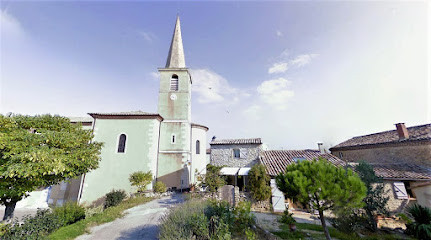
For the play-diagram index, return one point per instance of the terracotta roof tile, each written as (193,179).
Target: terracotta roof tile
(276,161)
(236,141)
(402,171)
(416,133)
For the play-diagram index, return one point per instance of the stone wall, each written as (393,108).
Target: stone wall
(419,153)
(394,204)
(222,155)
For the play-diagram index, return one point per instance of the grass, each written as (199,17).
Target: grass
(316,232)
(74,230)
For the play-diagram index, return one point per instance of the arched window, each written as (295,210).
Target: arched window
(174,83)
(122,143)
(198,147)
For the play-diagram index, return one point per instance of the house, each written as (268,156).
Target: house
(402,157)
(236,156)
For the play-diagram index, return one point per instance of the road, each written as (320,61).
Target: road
(140,222)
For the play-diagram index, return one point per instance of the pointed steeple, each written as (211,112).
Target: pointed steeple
(176,52)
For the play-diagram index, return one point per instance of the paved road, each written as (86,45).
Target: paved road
(140,222)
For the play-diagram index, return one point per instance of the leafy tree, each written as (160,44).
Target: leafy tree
(421,226)
(38,151)
(159,187)
(213,179)
(375,201)
(322,185)
(141,179)
(258,181)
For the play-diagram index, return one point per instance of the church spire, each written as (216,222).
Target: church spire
(176,51)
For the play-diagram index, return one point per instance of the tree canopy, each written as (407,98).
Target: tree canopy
(38,151)
(258,181)
(213,179)
(141,179)
(323,186)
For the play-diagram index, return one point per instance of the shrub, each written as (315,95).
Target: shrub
(421,226)
(141,179)
(3,228)
(222,210)
(198,224)
(114,198)
(159,187)
(287,218)
(218,229)
(91,211)
(258,183)
(213,179)
(350,222)
(43,223)
(70,213)
(244,219)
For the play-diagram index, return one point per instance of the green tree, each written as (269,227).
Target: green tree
(322,185)
(421,226)
(213,179)
(141,179)
(38,151)
(375,201)
(258,181)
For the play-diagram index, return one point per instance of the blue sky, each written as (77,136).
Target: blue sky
(293,73)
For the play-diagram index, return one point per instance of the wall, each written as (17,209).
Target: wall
(394,204)
(409,153)
(423,195)
(222,155)
(115,168)
(198,160)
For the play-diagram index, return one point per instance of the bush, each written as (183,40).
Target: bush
(350,222)
(421,226)
(91,211)
(213,179)
(244,219)
(198,224)
(287,218)
(43,223)
(114,198)
(258,183)
(219,229)
(70,213)
(159,187)
(141,179)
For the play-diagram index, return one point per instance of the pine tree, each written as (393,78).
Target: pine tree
(322,185)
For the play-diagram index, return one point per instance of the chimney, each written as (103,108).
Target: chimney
(214,138)
(320,146)
(402,131)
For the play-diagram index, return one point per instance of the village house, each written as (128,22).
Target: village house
(402,157)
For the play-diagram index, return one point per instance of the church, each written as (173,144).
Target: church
(166,143)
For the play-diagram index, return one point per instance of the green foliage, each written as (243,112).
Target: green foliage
(375,201)
(322,185)
(350,222)
(141,179)
(35,227)
(114,198)
(70,213)
(213,179)
(219,229)
(244,219)
(258,181)
(249,234)
(198,224)
(287,218)
(37,151)
(421,226)
(159,187)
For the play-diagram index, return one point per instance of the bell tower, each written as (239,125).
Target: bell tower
(175,108)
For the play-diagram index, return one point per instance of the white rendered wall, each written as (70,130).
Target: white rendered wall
(199,161)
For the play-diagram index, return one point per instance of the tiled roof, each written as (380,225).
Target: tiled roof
(416,133)
(402,171)
(236,141)
(276,161)
(130,114)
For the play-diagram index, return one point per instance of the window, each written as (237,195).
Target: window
(400,190)
(173,139)
(198,147)
(122,143)
(174,83)
(236,153)
(340,154)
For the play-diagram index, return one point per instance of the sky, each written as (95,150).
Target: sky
(292,73)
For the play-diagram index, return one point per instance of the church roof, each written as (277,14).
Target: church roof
(200,126)
(127,115)
(176,52)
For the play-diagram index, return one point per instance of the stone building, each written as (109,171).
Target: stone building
(403,145)
(236,156)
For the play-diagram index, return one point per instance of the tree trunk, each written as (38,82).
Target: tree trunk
(325,228)
(372,220)
(8,212)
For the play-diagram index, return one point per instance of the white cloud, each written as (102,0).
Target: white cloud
(279,33)
(10,26)
(155,75)
(276,92)
(210,86)
(253,112)
(285,64)
(148,36)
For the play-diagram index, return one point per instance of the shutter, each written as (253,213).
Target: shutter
(400,190)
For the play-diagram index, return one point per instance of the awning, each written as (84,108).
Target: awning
(243,171)
(229,171)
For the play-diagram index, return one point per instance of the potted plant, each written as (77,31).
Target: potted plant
(288,219)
